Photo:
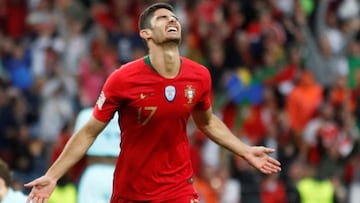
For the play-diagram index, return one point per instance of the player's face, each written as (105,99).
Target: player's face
(165,27)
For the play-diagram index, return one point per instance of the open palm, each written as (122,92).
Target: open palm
(259,158)
(41,189)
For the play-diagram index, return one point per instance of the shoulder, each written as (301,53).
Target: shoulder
(195,66)
(128,70)
(189,62)
(195,70)
(133,64)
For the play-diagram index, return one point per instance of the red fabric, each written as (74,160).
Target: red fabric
(16,15)
(155,162)
(274,195)
(286,74)
(196,159)
(328,133)
(102,17)
(207,9)
(349,172)
(253,125)
(229,115)
(351,169)
(313,155)
(254,30)
(342,95)
(184,199)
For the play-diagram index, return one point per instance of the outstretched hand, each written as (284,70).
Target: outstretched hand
(258,157)
(41,189)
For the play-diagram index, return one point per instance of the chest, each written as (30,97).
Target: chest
(163,98)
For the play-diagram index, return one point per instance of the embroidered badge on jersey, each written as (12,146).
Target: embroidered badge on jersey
(170,93)
(189,93)
(101,100)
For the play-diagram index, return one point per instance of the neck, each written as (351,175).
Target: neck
(165,59)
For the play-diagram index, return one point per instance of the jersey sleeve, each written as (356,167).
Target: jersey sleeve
(204,102)
(110,98)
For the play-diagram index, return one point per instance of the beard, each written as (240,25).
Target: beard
(172,41)
(168,40)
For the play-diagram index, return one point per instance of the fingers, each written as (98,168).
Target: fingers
(271,162)
(36,199)
(273,168)
(31,184)
(268,150)
(269,168)
(274,161)
(30,197)
(266,170)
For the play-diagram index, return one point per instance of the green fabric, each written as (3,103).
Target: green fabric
(264,74)
(148,62)
(354,69)
(315,191)
(61,194)
(308,6)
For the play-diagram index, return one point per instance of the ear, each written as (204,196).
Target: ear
(145,34)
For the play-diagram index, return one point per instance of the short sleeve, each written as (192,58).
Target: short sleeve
(204,102)
(110,98)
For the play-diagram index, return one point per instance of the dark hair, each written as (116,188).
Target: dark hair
(147,14)
(5,173)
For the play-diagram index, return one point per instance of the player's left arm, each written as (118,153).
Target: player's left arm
(217,131)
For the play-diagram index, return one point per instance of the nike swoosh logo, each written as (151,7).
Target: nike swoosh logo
(144,96)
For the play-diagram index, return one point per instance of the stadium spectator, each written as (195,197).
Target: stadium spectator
(95,185)
(7,194)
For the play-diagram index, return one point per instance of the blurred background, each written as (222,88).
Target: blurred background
(286,74)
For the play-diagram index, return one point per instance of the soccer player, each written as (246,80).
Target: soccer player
(95,185)
(154,95)
(7,194)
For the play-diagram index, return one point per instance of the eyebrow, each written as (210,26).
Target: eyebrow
(160,16)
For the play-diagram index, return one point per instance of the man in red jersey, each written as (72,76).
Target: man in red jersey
(155,96)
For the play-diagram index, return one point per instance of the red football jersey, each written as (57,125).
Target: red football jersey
(154,163)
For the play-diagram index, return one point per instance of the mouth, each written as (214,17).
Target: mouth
(172,29)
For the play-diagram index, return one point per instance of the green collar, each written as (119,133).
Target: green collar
(148,62)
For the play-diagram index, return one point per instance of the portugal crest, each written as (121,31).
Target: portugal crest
(189,93)
(170,93)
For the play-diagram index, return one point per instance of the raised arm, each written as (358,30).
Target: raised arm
(74,150)
(320,18)
(217,131)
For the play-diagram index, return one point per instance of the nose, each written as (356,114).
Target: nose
(172,19)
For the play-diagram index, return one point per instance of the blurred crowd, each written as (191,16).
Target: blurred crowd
(286,74)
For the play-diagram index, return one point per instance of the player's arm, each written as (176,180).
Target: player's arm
(74,150)
(218,132)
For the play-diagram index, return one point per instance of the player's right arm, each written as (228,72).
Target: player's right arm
(74,150)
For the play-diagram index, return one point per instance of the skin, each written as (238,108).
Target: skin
(165,57)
